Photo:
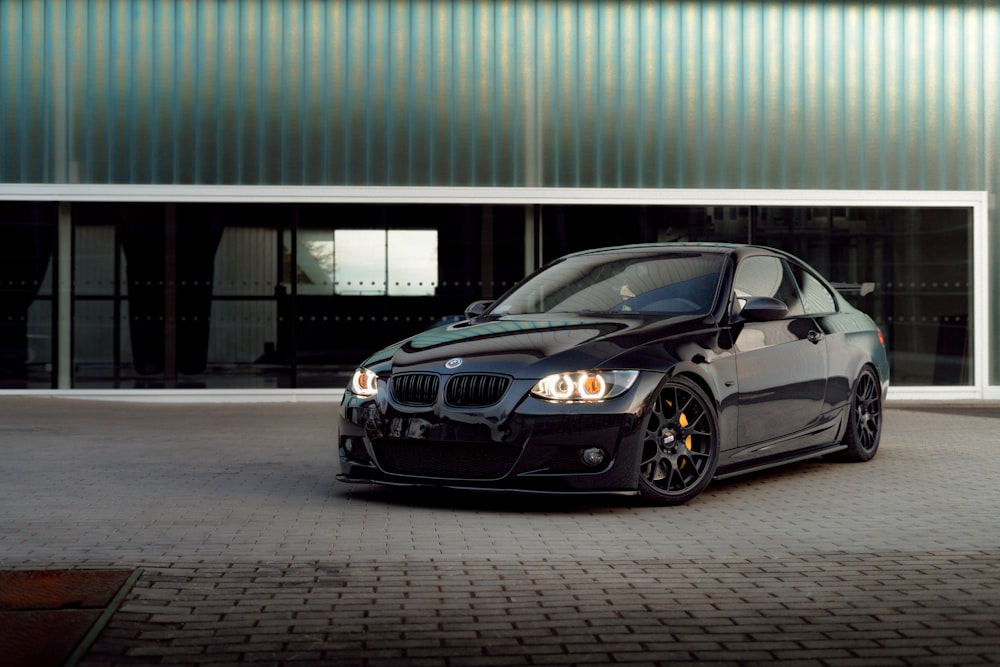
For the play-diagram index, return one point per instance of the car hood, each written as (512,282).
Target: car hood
(532,346)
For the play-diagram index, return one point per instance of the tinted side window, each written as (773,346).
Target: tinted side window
(768,276)
(816,298)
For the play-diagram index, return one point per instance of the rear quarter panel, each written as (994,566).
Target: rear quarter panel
(852,342)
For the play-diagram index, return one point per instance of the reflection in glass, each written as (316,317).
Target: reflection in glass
(27,238)
(240,314)
(372,262)
(360,266)
(412,262)
(920,260)
(625,283)
(314,268)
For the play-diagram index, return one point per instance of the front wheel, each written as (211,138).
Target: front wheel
(864,422)
(680,447)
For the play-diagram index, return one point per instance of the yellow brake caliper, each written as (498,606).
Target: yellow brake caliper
(684,423)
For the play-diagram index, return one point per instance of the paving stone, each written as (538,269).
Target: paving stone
(251,552)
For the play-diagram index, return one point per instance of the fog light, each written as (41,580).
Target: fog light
(593,456)
(348,445)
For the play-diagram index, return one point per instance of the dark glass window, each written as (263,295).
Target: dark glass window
(272,296)
(768,277)
(27,240)
(252,296)
(816,298)
(655,283)
(920,260)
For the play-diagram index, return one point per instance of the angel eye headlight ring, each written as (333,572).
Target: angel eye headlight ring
(364,383)
(592,386)
(584,386)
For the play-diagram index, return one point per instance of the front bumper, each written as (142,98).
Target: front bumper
(520,444)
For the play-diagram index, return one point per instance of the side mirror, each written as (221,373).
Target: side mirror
(763,309)
(476,309)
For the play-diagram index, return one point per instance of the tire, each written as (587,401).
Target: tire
(680,444)
(864,418)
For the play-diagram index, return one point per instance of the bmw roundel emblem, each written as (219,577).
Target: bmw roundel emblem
(455,362)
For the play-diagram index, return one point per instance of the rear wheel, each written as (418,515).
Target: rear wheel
(864,422)
(680,447)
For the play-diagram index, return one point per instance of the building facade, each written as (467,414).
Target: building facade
(253,194)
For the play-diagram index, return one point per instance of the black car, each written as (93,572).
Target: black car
(645,369)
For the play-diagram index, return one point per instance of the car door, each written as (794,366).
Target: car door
(781,364)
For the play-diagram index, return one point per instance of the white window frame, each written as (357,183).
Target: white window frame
(976,201)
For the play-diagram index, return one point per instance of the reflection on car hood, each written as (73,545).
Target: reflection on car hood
(532,345)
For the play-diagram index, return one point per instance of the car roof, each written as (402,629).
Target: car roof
(713,247)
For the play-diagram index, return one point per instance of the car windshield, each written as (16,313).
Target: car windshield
(626,282)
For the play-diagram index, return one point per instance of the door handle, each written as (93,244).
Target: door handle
(815,337)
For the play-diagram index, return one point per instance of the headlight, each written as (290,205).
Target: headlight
(584,385)
(364,383)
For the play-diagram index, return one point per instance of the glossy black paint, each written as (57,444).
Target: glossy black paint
(781,386)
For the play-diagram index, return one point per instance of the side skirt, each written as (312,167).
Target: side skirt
(773,463)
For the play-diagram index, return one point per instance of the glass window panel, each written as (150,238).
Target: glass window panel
(767,277)
(372,262)
(567,229)
(207,319)
(27,240)
(99,310)
(246,346)
(314,257)
(920,262)
(816,298)
(243,318)
(412,262)
(360,263)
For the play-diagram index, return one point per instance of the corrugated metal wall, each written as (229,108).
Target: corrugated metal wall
(585,93)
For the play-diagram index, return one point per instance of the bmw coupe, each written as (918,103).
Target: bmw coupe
(648,370)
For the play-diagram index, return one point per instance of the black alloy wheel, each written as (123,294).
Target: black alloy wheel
(680,447)
(864,422)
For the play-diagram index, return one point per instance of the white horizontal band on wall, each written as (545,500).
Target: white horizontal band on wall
(477,195)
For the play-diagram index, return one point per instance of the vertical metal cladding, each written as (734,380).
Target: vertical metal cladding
(500,93)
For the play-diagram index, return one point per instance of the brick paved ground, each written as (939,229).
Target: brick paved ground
(251,552)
